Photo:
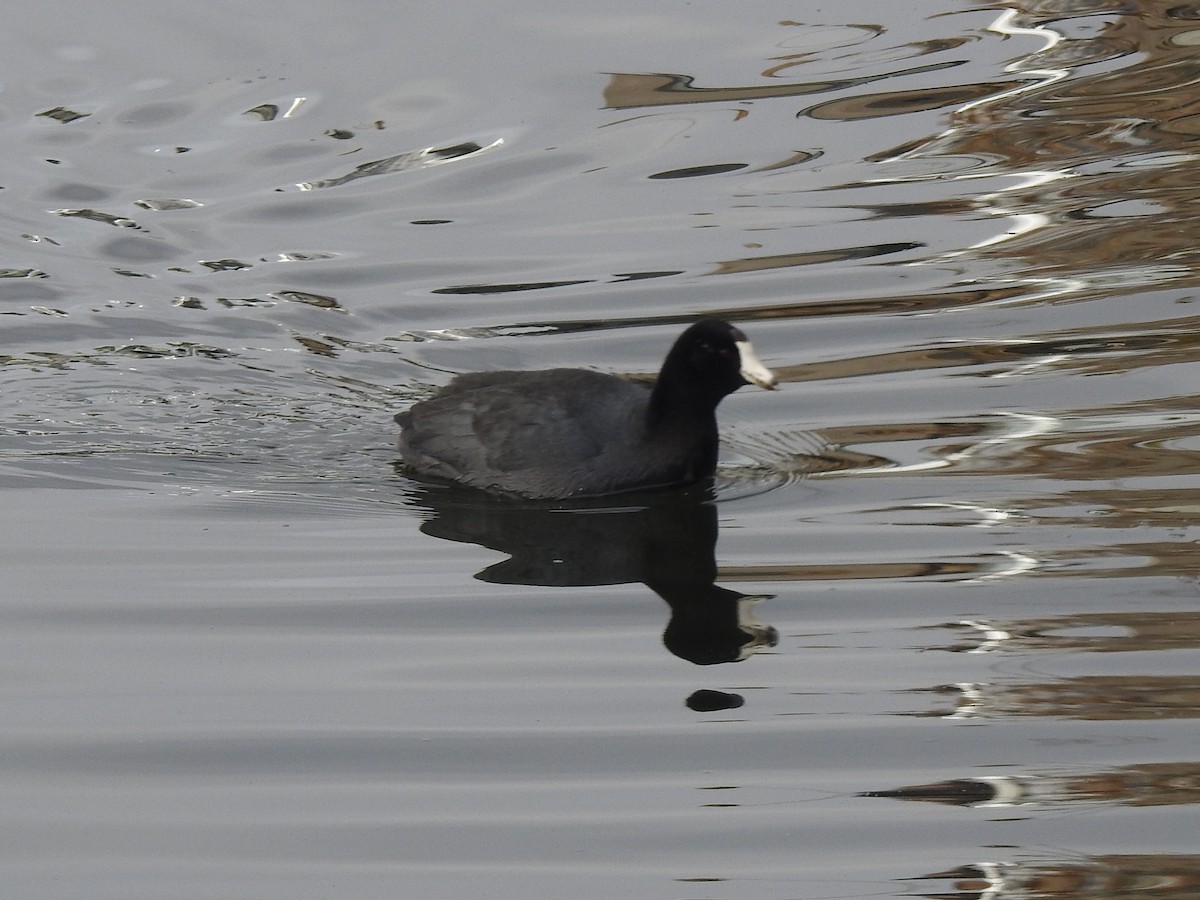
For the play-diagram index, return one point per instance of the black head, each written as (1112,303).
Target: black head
(708,361)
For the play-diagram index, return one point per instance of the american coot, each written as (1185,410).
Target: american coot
(560,433)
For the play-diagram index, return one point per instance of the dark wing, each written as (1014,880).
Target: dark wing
(520,431)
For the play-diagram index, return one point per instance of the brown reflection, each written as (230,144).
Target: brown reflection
(866,306)
(265,112)
(1164,558)
(1159,876)
(917,48)
(1091,446)
(1175,508)
(952,571)
(321,301)
(1098,151)
(1138,631)
(1089,698)
(508,288)
(1082,352)
(800,309)
(630,91)
(317,346)
(96,215)
(1108,143)
(794,159)
(896,103)
(1153,784)
(225,265)
(1001,356)
(63,114)
(697,171)
(786,260)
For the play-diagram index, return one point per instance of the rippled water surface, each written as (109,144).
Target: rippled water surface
(932,631)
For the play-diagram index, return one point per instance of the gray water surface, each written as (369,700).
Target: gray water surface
(933,629)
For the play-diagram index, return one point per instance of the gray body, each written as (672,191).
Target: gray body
(561,433)
(551,433)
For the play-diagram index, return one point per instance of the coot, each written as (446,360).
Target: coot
(560,433)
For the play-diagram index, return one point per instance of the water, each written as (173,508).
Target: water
(931,632)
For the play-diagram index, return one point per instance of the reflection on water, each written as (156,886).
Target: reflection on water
(1152,784)
(1106,632)
(966,235)
(1091,697)
(1110,877)
(628,91)
(1097,192)
(666,541)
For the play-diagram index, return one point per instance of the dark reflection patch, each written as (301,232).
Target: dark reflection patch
(225,265)
(266,112)
(318,300)
(95,215)
(62,114)
(641,276)
(842,254)
(895,103)
(696,171)
(507,288)
(627,90)
(705,700)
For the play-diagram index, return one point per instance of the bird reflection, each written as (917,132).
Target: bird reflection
(665,540)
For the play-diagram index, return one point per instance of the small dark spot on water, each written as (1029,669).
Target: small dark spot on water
(302,256)
(705,700)
(456,150)
(313,345)
(166,204)
(231,302)
(317,300)
(430,221)
(1187,13)
(225,265)
(63,115)
(96,215)
(265,112)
